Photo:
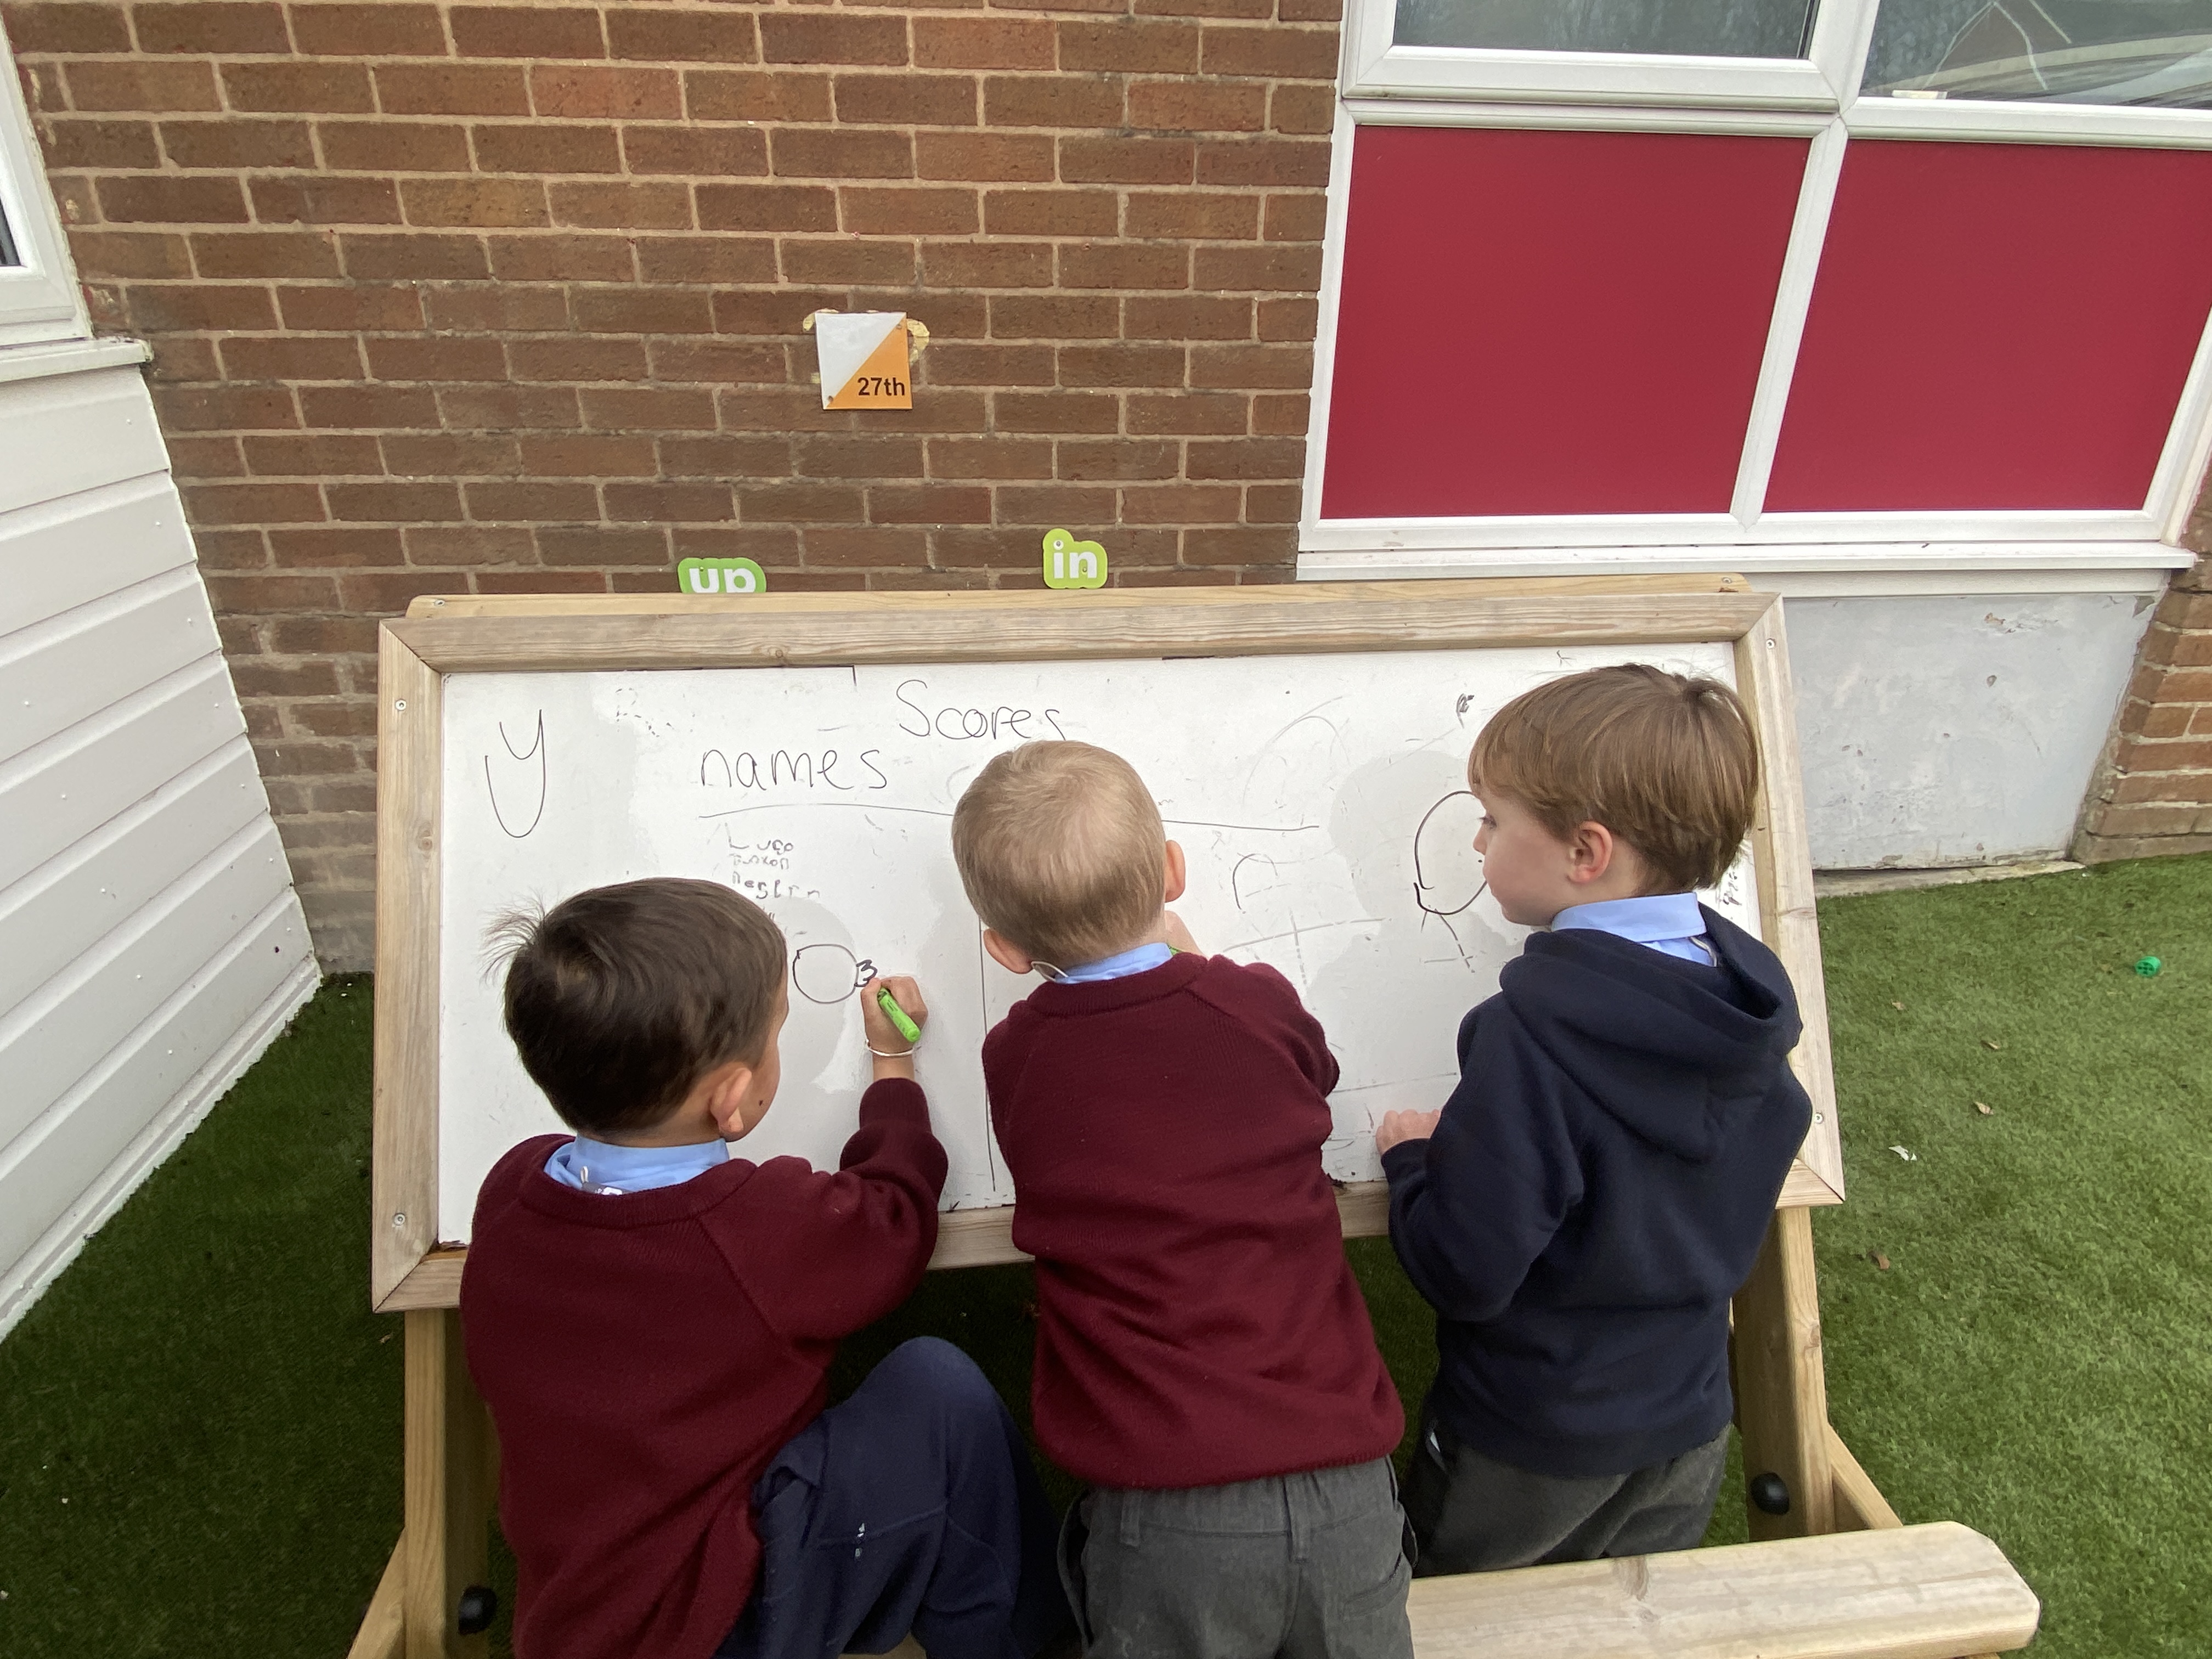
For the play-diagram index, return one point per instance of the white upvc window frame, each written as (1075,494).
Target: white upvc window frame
(39,299)
(1385,85)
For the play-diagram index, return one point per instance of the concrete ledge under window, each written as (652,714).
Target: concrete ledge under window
(31,362)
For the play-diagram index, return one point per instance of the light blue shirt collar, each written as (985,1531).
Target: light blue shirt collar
(1144,958)
(1669,923)
(594,1166)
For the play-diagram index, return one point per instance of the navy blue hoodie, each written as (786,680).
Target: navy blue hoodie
(1595,1191)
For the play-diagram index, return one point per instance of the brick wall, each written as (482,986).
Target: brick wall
(506,298)
(2154,791)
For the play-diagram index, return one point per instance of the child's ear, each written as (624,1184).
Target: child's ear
(728,1088)
(1176,873)
(1007,954)
(1589,853)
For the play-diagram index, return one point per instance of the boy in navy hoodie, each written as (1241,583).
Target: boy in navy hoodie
(1596,1189)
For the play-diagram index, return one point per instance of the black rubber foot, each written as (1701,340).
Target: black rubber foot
(1771,1494)
(479,1606)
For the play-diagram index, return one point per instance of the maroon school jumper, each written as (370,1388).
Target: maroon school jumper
(1197,1323)
(645,1355)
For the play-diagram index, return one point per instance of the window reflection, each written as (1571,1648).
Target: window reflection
(8,254)
(1712,29)
(2155,52)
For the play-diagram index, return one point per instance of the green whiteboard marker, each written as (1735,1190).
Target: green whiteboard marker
(905,1027)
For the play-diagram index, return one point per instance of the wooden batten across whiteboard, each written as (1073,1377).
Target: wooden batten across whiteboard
(444,638)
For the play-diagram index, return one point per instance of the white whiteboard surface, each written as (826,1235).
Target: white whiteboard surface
(1319,799)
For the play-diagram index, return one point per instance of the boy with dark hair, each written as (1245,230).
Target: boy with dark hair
(1596,1189)
(650,1320)
(1204,1359)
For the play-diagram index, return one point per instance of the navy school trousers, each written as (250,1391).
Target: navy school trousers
(909,1507)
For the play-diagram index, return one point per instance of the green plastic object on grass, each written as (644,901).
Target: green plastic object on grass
(2148,966)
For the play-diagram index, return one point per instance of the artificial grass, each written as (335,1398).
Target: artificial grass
(208,1391)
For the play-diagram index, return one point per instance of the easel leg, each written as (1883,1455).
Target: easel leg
(1781,1391)
(449,1489)
(381,1635)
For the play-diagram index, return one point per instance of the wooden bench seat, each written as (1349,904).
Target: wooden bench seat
(1937,1592)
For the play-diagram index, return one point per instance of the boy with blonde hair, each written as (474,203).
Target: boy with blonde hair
(1594,1191)
(1204,1359)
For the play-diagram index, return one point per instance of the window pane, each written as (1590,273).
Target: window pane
(2062,51)
(8,254)
(1711,28)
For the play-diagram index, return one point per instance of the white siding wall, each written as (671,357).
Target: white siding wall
(150,942)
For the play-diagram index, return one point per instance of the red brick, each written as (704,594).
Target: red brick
(357,407)
(583,457)
(720,152)
(393,147)
(1055,317)
(857,456)
(1130,45)
(449,455)
(1055,411)
(1124,264)
(592,545)
(982,43)
(1181,503)
(1302,109)
(168,199)
(1121,365)
(791,409)
(775,313)
(509,408)
(1123,459)
(870,545)
(1212,214)
(734,456)
(1194,412)
(391,594)
(142,87)
(907,212)
(624,94)
(706,259)
(386,29)
(238,142)
(313,455)
(799,503)
(664,33)
(906,100)
(668,503)
(265,593)
(104,144)
(260,253)
(452,89)
(767,207)
(643,311)
(319,88)
(533,31)
(756,96)
(550,259)
(982,157)
(2182,608)
(103,253)
(502,308)
(1264,161)
(1310,12)
(1052,213)
(961,363)
(475,201)
(1297,218)
(253,503)
(983,546)
(356,305)
(544,147)
(647,409)
(224,408)
(1273,544)
(831,38)
(233,30)
(531,499)
(929,503)
(1247,457)
(70,29)
(1271,52)
(836,261)
(1271,366)
(2164,788)
(1205,7)
(1061,100)
(1188,317)
(469,544)
(2170,757)
(435,357)
(1183,105)
(623,207)
(991,458)
(1292,268)
(1126,161)
(1289,320)
(807,153)
(987,264)
(2154,720)
(319,199)
(414,502)
(1273,503)
(292,357)
(206,458)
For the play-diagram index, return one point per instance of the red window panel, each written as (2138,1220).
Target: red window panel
(1997,325)
(1541,322)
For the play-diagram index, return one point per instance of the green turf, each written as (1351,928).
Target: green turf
(206,1390)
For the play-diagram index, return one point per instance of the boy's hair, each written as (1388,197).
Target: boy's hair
(1666,761)
(622,998)
(1060,848)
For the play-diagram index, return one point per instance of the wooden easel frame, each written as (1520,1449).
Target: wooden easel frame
(1781,1391)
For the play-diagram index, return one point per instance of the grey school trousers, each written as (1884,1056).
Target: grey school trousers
(1470,1513)
(1295,1566)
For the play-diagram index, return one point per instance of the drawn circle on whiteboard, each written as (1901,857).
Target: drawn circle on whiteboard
(828,973)
(1447,869)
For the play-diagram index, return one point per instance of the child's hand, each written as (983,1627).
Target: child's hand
(889,1050)
(1179,936)
(1405,1126)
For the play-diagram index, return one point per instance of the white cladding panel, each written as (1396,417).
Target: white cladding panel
(150,942)
(1955,729)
